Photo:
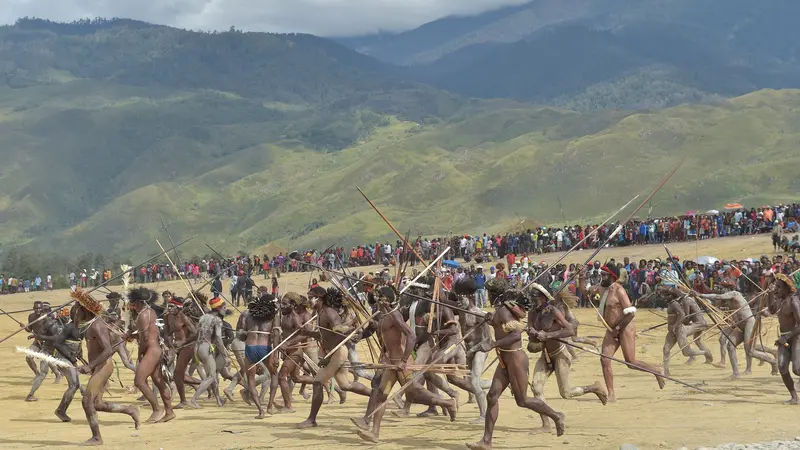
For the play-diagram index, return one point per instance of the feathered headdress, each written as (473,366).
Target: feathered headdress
(333,297)
(142,295)
(126,280)
(45,357)
(86,301)
(263,308)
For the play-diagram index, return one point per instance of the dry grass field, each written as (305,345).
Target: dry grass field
(733,410)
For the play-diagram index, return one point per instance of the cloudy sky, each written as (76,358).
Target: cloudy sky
(321,17)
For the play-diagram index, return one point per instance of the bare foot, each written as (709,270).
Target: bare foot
(260,416)
(221,402)
(478,421)
(774,370)
(748,372)
(193,405)
(368,436)
(286,410)
(452,411)
(305,395)
(480,445)
(661,382)
(94,441)
(690,361)
(31,398)
(156,416)
(342,397)
(308,423)
(135,416)
(400,413)
(228,394)
(168,415)
(734,376)
(271,409)
(612,397)
(600,391)
(63,416)
(180,405)
(428,413)
(719,365)
(542,430)
(245,396)
(791,401)
(360,423)
(559,420)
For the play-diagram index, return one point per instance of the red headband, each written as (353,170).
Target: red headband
(610,272)
(175,302)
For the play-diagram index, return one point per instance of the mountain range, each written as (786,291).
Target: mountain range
(108,127)
(594,54)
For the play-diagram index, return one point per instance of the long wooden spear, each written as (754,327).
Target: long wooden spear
(91,290)
(619,229)
(405,242)
(631,365)
(293,334)
(426,368)
(708,311)
(585,238)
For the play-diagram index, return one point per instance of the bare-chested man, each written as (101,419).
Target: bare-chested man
(547,319)
(100,367)
(512,365)
(618,315)
(67,345)
(208,346)
(786,306)
(263,332)
(237,347)
(331,332)
(677,331)
(394,331)
(39,309)
(180,334)
(695,324)
(294,315)
(740,330)
(150,355)
(476,357)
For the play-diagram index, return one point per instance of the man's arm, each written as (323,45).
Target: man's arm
(218,338)
(397,321)
(628,310)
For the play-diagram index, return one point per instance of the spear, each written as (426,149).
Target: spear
(426,368)
(585,238)
(425,270)
(405,242)
(619,229)
(631,365)
(682,277)
(294,333)
(92,290)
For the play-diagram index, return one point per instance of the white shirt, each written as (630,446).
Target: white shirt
(559,235)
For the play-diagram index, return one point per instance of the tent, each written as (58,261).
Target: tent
(451,264)
(707,260)
(712,211)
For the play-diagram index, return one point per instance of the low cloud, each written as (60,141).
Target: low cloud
(320,17)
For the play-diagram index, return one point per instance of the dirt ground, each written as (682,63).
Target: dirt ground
(733,411)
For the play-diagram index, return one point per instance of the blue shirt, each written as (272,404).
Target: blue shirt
(480,281)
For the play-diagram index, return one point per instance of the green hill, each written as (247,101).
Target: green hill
(96,152)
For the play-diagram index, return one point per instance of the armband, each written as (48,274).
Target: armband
(629,310)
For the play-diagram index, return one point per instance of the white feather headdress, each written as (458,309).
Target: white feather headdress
(45,357)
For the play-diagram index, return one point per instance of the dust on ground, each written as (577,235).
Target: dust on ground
(741,410)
